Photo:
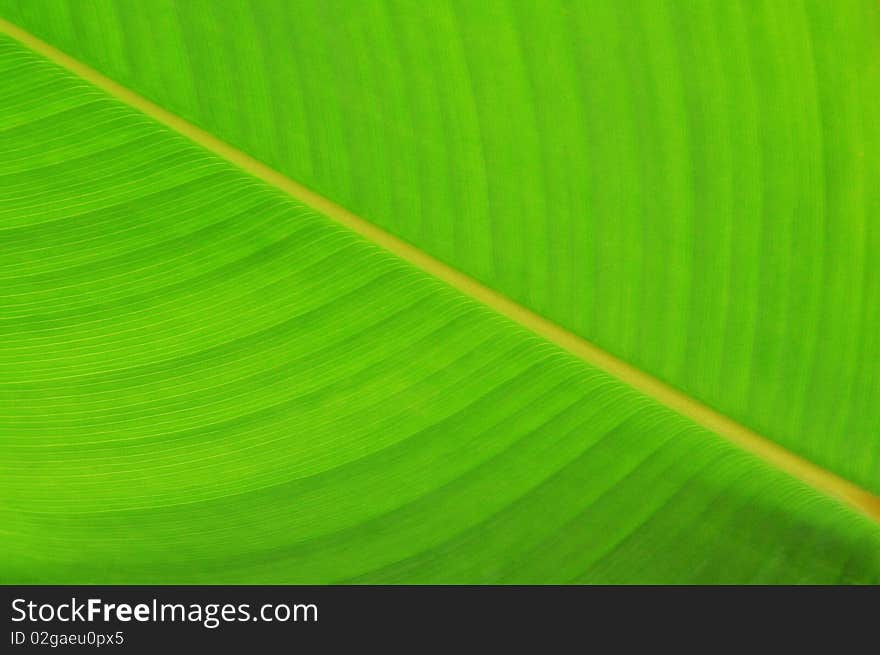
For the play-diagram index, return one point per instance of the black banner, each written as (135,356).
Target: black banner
(327,618)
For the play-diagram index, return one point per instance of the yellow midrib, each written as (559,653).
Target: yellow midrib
(815,476)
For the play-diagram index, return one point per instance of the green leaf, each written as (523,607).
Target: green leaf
(204,379)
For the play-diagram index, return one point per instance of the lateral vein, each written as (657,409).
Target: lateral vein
(813,475)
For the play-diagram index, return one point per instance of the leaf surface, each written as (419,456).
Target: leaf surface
(203,380)
(689,185)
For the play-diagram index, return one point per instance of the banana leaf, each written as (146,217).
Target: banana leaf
(439,292)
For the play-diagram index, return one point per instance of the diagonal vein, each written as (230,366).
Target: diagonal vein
(748,440)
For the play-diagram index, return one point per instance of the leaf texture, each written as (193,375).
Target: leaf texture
(203,380)
(686,184)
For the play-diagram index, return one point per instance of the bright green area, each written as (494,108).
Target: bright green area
(203,381)
(690,184)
